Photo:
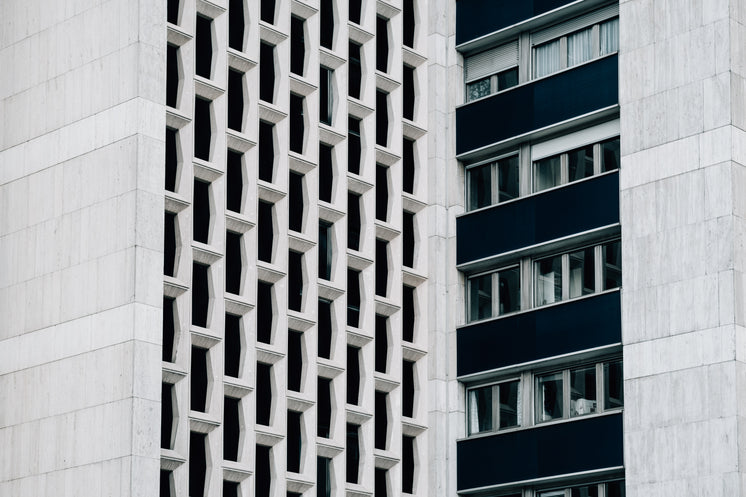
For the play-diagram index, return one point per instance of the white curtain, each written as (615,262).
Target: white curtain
(579,47)
(546,58)
(609,36)
(473,412)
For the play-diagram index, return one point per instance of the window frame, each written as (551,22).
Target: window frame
(494,179)
(495,406)
(495,295)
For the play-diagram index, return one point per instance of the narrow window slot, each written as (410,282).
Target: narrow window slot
(266,151)
(265,231)
(353,221)
(267,13)
(382,118)
(172,159)
(295,202)
(408,239)
(325,250)
(233,262)
(354,145)
(236,24)
(380,420)
(408,315)
(353,453)
(266,72)
(200,294)
(382,267)
(294,441)
(263,393)
(197,463)
(203,47)
(409,93)
(234,182)
(202,128)
(295,360)
(324,408)
(297,124)
(382,343)
(235,100)
(198,380)
(382,44)
(353,375)
(169,244)
(297,45)
(355,76)
(353,298)
(327,23)
(169,328)
(407,464)
(264,312)
(295,281)
(326,172)
(325,329)
(231,428)
(407,388)
(172,75)
(201,211)
(263,481)
(167,416)
(408,22)
(232,345)
(382,192)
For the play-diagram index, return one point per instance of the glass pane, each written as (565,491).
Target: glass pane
(547,58)
(553,493)
(507,79)
(609,36)
(549,280)
(547,173)
(610,155)
(580,163)
(480,410)
(480,297)
(510,290)
(478,89)
(510,404)
(549,397)
(579,47)
(583,391)
(612,254)
(480,186)
(615,489)
(585,491)
(613,385)
(582,277)
(507,175)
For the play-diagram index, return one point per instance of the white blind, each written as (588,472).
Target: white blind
(574,24)
(491,61)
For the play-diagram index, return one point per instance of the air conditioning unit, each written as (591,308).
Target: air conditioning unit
(585,406)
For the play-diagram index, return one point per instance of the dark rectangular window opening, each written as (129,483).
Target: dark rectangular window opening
(382,44)
(266,151)
(408,23)
(295,202)
(235,100)
(172,75)
(353,221)
(265,231)
(327,23)
(167,415)
(382,343)
(295,281)
(297,45)
(234,182)
(297,124)
(166,489)
(353,375)
(169,328)
(325,250)
(172,159)
(169,244)
(263,393)
(203,47)
(409,94)
(355,76)
(408,314)
(236,24)
(198,377)
(294,441)
(200,294)
(326,172)
(231,428)
(201,211)
(323,477)
(172,14)
(326,98)
(407,464)
(232,345)
(380,483)
(197,463)
(407,388)
(408,166)
(382,118)
(264,312)
(325,329)
(324,408)
(353,298)
(380,420)
(408,239)
(263,481)
(353,453)
(202,128)
(231,489)
(266,72)
(356,9)
(267,13)
(295,360)
(382,192)
(233,262)
(382,267)
(354,145)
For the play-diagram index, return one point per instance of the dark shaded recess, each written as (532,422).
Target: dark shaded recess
(231,428)
(235,100)
(323,477)
(265,231)
(264,312)
(172,14)
(408,239)
(201,211)
(198,383)
(327,23)
(380,488)
(200,294)
(266,151)
(297,46)
(353,298)
(267,13)
(382,343)
(325,250)
(355,76)
(380,420)
(326,172)
(197,463)
(521,455)
(167,415)
(172,75)
(382,118)
(382,44)
(232,345)
(203,47)
(407,480)
(407,388)
(165,490)
(353,452)
(325,96)
(408,92)
(353,221)
(408,165)
(324,408)
(263,482)
(202,128)
(526,220)
(408,314)
(233,262)
(263,393)
(295,360)
(266,72)
(408,23)
(297,126)
(169,328)
(294,441)
(325,329)
(294,494)
(572,326)
(382,192)
(172,159)
(236,24)
(295,201)
(353,375)
(356,8)
(295,281)
(382,267)
(234,182)
(169,244)
(354,145)
(230,489)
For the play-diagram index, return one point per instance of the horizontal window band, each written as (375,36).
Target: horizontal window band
(491,61)
(567,27)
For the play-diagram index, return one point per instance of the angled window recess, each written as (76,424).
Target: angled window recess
(169,328)
(231,428)
(198,379)
(382,44)
(325,250)
(353,221)
(407,388)
(355,75)
(172,75)
(197,463)
(167,484)
(295,360)
(267,13)
(295,281)
(266,72)
(294,441)
(382,192)
(325,330)
(236,24)
(201,211)
(354,145)
(263,393)
(172,159)
(408,239)
(382,118)
(408,166)
(264,312)
(408,315)
(352,450)
(408,23)
(323,477)
(382,343)
(326,172)
(266,151)
(380,420)
(324,408)
(380,483)
(491,71)
(265,231)
(353,375)
(353,298)
(263,476)
(203,47)
(172,14)
(232,345)
(169,244)
(234,181)
(167,415)
(326,11)
(382,267)
(356,8)
(231,489)
(408,462)
(202,128)
(409,92)
(297,123)
(296,204)
(235,100)
(200,294)
(233,262)
(326,96)
(297,45)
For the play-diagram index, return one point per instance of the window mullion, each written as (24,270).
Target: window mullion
(496,407)
(495,294)
(563,52)
(524,57)
(565,275)
(566,393)
(527,286)
(493,84)
(564,169)
(527,399)
(524,170)
(596,159)
(598,268)
(494,184)
(596,41)
(599,387)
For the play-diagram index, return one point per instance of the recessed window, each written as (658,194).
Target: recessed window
(382,267)
(197,463)
(203,47)
(169,244)
(494,182)
(407,388)
(325,250)
(382,343)
(236,24)
(201,211)
(172,14)
(325,330)
(235,100)
(295,202)
(407,464)
(266,72)
(326,96)
(353,375)
(267,13)
(232,489)
(408,239)
(198,380)
(494,407)
(408,93)
(354,145)
(326,22)
(295,360)
(491,71)
(264,312)
(167,415)
(352,450)
(610,156)
(408,315)
(355,75)
(408,166)
(494,294)
(297,123)
(297,45)
(172,159)
(323,477)
(166,484)
(266,151)
(380,483)
(355,9)
(294,441)
(295,281)
(263,393)
(382,192)
(232,347)
(611,254)
(233,262)
(382,44)
(234,181)
(200,294)
(265,231)
(382,118)
(231,428)
(353,221)
(381,420)
(408,23)
(169,328)
(324,408)
(263,477)
(353,298)
(202,128)
(172,75)
(326,172)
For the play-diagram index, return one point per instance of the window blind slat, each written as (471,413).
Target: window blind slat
(491,61)
(568,27)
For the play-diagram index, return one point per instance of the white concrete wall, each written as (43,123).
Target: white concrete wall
(81,241)
(682,211)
